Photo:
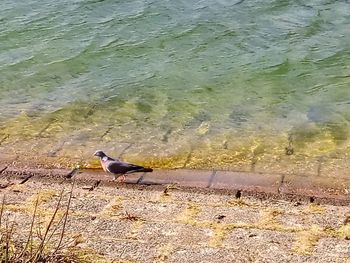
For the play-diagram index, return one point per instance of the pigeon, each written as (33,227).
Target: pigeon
(119,168)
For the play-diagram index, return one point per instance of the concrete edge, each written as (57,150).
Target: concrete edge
(264,186)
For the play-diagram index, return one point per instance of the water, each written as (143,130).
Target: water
(242,85)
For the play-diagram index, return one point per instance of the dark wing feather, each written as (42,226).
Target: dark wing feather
(118,167)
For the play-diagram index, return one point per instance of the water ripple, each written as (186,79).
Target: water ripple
(190,68)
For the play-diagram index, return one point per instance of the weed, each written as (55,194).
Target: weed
(43,244)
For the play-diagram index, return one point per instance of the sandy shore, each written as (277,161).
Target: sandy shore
(169,223)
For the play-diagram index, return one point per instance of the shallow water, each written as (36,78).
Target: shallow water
(202,84)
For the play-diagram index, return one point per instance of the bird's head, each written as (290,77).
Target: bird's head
(100,154)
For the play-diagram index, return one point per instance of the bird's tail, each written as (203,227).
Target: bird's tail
(147,170)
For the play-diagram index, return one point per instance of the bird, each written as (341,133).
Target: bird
(117,167)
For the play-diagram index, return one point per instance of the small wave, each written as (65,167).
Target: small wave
(15,56)
(316,89)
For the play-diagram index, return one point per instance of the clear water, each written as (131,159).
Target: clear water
(245,85)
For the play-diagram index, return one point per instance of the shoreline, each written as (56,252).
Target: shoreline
(292,187)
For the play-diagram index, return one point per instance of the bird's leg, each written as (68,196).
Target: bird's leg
(123,178)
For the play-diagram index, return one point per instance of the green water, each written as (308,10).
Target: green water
(242,85)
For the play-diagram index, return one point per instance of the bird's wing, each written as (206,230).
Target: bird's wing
(118,167)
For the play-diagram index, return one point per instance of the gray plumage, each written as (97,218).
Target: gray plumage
(117,167)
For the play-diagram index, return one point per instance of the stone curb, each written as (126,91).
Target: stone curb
(290,187)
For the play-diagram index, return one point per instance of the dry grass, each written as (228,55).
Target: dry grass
(188,216)
(344,231)
(48,243)
(314,209)
(307,239)
(163,254)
